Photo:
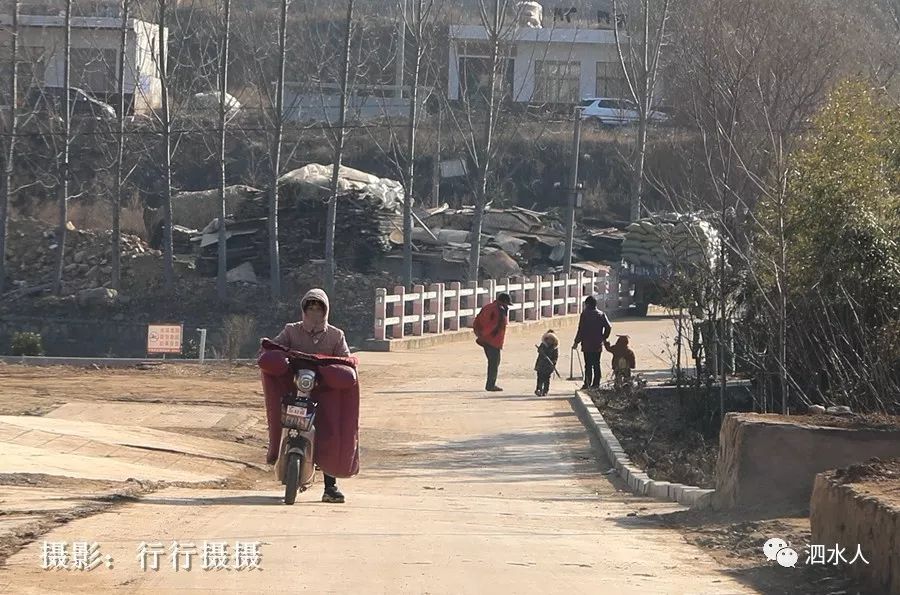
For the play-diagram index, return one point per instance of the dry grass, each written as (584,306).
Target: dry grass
(239,336)
(97,216)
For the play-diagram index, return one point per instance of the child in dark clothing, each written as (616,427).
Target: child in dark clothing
(548,354)
(622,361)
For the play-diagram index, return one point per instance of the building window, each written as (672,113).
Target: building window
(94,70)
(32,66)
(475,76)
(557,82)
(611,80)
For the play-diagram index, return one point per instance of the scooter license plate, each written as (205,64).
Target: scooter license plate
(293,410)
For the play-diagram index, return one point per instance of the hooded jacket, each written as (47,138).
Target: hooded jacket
(309,337)
(623,356)
(548,354)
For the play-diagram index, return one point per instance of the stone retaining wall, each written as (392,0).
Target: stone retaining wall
(851,515)
(767,462)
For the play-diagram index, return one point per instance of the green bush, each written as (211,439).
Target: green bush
(191,348)
(26,344)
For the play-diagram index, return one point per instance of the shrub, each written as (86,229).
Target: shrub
(24,343)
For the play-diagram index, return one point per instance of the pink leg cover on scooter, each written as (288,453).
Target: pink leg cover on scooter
(337,419)
(274,387)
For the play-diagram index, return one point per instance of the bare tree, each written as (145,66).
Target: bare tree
(485,120)
(278,119)
(497,31)
(418,25)
(116,253)
(221,281)
(330,267)
(12,130)
(166,124)
(64,172)
(641,69)
(750,80)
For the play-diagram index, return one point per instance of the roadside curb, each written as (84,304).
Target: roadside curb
(638,481)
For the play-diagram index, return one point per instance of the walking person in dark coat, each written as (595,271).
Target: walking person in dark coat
(548,355)
(593,331)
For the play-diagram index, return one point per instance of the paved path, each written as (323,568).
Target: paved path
(461,491)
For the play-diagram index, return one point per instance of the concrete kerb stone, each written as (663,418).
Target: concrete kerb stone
(637,480)
(689,496)
(697,498)
(704,500)
(658,490)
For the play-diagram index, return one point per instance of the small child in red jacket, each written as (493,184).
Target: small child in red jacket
(622,361)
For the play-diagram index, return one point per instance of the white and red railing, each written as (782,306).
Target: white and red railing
(442,307)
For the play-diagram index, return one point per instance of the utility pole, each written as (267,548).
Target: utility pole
(436,170)
(330,222)
(572,192)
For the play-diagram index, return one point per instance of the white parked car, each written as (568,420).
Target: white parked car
(607,111)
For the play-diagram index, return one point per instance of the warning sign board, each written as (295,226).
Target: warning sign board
(164,338)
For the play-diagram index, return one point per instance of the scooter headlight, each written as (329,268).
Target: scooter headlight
(306,380)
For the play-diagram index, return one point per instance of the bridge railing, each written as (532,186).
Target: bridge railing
(441,307)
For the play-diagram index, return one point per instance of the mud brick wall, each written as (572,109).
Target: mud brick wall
(840,514)
(767,463)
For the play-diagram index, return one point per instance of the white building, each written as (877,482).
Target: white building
(95,56)
(544,65)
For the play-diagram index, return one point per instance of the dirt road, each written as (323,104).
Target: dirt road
(460,491)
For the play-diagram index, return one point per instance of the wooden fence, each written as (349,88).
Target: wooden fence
(450,307)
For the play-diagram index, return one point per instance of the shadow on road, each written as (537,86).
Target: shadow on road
(425,392)
(531,397)
(215,501)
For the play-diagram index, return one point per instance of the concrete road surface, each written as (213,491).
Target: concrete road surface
(461,491)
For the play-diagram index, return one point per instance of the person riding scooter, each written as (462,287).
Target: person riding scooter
(312,335)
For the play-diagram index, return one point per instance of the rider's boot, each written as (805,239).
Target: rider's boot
(332,493)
